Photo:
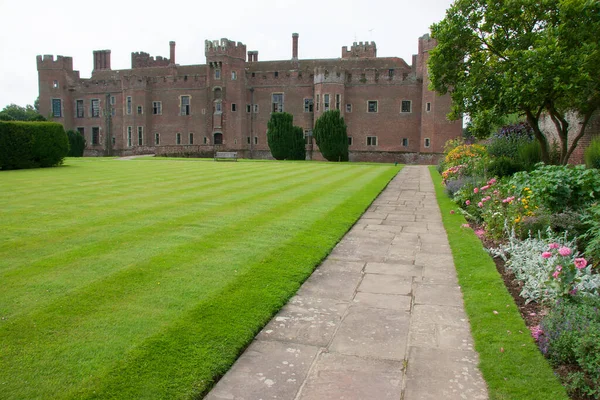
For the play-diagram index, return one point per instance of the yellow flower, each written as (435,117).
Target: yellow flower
(526,206)
(518,219)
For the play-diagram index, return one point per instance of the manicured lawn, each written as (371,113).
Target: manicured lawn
(510,361)
(146,278)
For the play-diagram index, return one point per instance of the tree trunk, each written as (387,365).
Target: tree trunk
(533,121)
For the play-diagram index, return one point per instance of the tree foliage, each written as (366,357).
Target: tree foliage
(331,136)
(32,144)
(13,112)
(522,56)
(76,144)
(285,140)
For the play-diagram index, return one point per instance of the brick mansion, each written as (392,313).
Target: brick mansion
(161,107)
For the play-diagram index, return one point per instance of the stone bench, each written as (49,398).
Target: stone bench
(226,155)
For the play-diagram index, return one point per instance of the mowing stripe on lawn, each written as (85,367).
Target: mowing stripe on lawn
(510,361)
(81,332)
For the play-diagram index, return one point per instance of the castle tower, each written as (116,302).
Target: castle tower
(54,78)
(226,62)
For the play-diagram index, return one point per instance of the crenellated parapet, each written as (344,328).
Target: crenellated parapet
(224,47)
(360,50)
(145,60)
(48,62)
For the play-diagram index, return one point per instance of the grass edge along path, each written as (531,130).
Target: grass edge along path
(166,365)
(510,361)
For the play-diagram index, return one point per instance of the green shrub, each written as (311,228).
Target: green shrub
(504,166)
(570,335)
(298,148)
(530,154)
(591,238)
(592,154)
(558,187)
(76,144)
(331,137)
(279,134)
(507,141)
(32,144)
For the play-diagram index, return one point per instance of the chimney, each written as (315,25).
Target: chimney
(101,59)
(295,46)
(250,56)
(256,56)
(172,53)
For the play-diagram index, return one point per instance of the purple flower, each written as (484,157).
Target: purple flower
(564,251)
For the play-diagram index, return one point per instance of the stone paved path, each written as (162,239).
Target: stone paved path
(381,318)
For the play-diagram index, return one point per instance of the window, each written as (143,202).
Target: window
(349,140)
(140,110)
(255,139)
(191,138)
(205,140)
(307,136)
(372,106)
(248,139)
(233,107)
(157,139)
(427,142)
(81,131)
(308,105)
(55,84)
(325,102)
(218,138)
(404,142)
(157,107)
(79,108)
(113,140)
(113,111)
(406,106)
(57,108)
(318,101)
(338,99)
(233,75)
(277,101)
(371,140)
(256,109)
(276,74)
(218,107)
(254,74)
(95,108)
(248,108)
(390,73)
(348,108)
(185,105)
(428,107)
(112,100)
(95,135)
(128,111)
(129,131)
(178,138)
(217,74)
(140,135)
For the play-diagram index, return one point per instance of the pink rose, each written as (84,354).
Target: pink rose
(554,245)
(488,197)
(468,202)
(486,187)
(492,181)
(480,204)
(580,263)
(451,211)
(564,251)
(476,190)
(546,254)
(555,274)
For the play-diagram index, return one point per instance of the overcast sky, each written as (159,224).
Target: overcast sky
(76,28)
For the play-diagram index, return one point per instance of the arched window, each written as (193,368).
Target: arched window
(218,138)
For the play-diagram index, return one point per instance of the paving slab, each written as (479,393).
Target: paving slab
(253,378)
(382,317)
(338,376)
(372,332)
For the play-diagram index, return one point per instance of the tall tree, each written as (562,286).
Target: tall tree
(285,140)
(331,136)
(13,112)
(531,57)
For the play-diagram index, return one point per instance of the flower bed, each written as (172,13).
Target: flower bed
(543,226)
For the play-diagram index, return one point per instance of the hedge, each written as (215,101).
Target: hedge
(32,144)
